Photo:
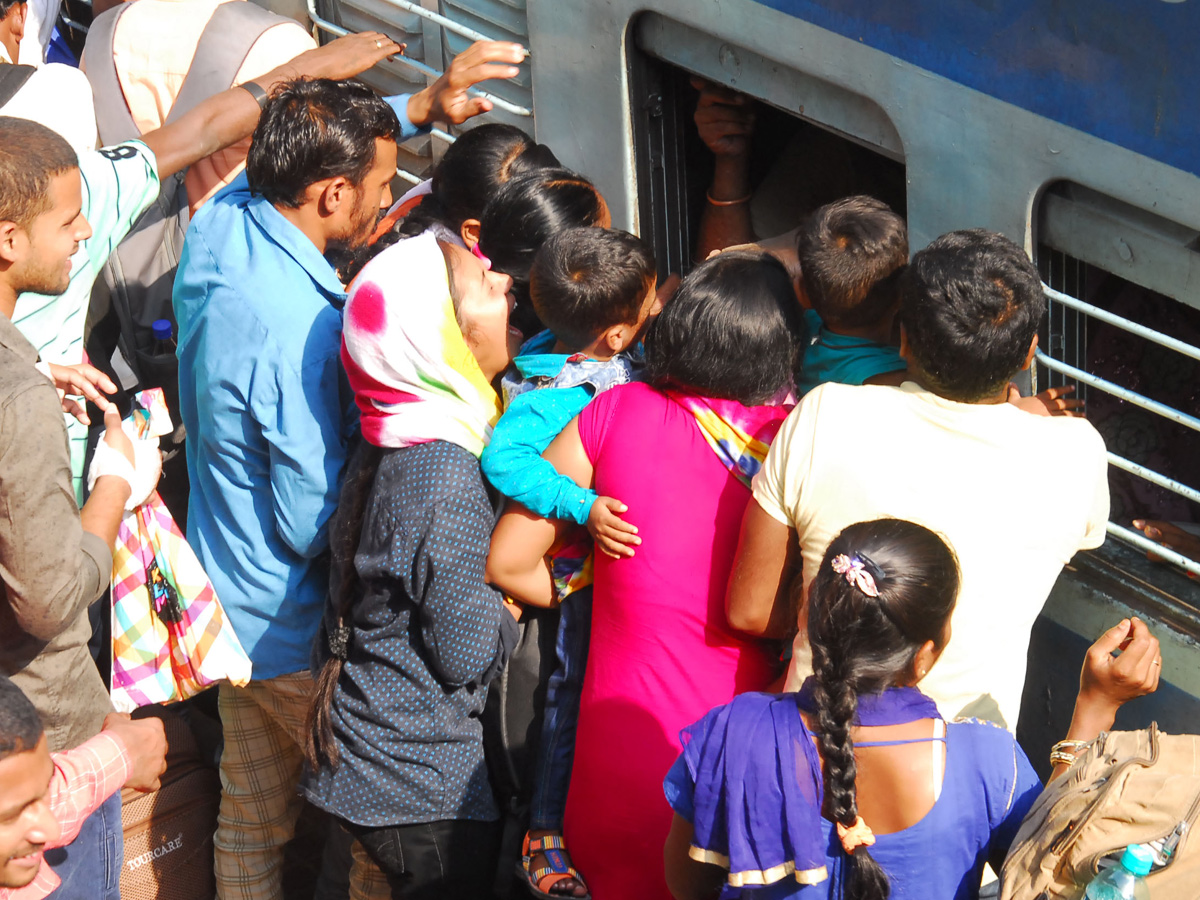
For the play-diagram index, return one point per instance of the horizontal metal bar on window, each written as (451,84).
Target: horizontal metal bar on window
(1140,540)
(500,102)
(1175,487)
(73,25)
(1100,384)
(1124,324)
(449,24)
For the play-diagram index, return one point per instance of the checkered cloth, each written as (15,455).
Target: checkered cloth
(171,638)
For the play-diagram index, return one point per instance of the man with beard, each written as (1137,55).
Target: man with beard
(269,414)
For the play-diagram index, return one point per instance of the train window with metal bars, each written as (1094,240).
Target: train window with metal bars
(1123,326)
(433,38)
(813,142)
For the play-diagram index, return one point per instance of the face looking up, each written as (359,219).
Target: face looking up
(39,254)
(483,307)
(26,824)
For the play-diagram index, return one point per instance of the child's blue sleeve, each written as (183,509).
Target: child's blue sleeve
(513,460)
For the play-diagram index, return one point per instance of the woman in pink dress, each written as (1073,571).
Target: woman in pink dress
(679,452)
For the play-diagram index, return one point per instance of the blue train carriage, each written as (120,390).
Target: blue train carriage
(1064,124)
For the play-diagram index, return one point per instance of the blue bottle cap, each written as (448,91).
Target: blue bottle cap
(1138,859)
(162,329)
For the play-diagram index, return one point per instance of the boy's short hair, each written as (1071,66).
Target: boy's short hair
(971,303)
(20,725)
(849,252)
(586,280)
(30,155)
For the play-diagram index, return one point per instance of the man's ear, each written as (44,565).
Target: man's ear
(12,243)
(1032,352)
(16,21)
(336,194)
(469,232)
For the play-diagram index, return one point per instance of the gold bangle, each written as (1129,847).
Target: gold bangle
(1060,758)
(1070,746)
(738,202)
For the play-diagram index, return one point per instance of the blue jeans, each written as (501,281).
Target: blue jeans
(556,751)
(90,866)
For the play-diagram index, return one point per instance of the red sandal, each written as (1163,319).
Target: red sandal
(539,881)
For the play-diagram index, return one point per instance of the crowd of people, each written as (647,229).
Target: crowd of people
(780,506)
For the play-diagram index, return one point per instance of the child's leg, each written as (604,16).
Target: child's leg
(556,751)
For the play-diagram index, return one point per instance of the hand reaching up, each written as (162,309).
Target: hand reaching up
(448,99)
(1107,681)
(613,535)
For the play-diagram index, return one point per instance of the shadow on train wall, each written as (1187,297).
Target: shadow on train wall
(1122,70)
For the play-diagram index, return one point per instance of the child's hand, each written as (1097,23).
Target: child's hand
(612,534)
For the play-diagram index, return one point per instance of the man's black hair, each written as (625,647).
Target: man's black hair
(20,725)
(586,280)
(313,129)
(730,330)
(971,303)
(850,251)
(30,156)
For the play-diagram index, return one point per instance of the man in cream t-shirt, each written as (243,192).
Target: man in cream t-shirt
(1015,494)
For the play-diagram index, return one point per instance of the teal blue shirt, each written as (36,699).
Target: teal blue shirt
(846,360)
(545,393)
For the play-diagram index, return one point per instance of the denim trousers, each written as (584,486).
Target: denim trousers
(556,750)
(452,859)
(90,866)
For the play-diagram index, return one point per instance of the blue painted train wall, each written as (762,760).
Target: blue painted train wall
(1125,71)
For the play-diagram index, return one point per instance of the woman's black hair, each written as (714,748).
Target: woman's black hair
(473,169)
(730,331)
(523,215)
(864,645)
(345,588)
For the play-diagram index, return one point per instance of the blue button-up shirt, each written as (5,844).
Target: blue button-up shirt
(267,411)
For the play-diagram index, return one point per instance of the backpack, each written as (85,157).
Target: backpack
(135,286)
(1129,787)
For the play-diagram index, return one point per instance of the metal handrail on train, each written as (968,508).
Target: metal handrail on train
(1120,532)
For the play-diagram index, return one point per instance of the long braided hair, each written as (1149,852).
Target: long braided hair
(865,644)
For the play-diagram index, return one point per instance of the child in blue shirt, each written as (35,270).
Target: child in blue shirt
(594,288)
(851,252)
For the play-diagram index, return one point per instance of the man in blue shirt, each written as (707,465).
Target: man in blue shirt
(268,413)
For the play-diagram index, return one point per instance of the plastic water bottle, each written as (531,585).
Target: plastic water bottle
(1126,881)
(164,337)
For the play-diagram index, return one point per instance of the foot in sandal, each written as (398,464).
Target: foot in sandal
(546,867)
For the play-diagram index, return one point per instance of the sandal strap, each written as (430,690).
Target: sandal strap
(549,842)
(569,872)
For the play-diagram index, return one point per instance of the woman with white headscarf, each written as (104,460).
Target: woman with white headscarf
(412,634)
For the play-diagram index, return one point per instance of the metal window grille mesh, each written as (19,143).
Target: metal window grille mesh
(1063,359)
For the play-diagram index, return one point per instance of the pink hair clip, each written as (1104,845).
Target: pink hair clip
(487,263)
(856,574)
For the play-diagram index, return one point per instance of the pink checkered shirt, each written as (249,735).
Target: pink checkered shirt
(83,779)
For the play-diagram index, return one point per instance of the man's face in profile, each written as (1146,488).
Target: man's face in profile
(46,245)
(26,824)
